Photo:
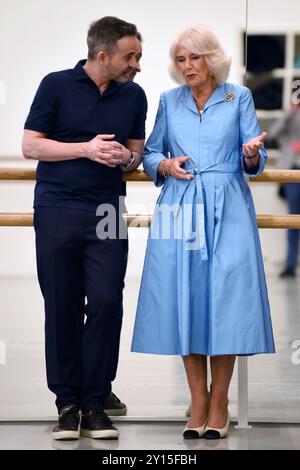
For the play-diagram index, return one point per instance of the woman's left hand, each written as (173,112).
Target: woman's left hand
(251,149)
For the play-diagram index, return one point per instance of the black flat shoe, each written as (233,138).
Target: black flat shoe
(215,433)
(194,433)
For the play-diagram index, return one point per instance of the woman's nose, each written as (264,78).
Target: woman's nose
(187,64)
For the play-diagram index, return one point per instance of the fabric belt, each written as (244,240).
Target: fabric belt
(199,216)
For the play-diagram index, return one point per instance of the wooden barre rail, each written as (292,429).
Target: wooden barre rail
(270,176)
(138,220)
(28,174)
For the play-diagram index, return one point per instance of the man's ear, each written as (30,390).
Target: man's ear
(102,57)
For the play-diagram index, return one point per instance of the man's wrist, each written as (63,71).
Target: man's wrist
(128,157)
(82,150)
(129,162)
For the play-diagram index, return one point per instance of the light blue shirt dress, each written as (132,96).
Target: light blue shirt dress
(203,289)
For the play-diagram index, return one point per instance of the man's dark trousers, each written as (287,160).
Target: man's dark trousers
(74,264)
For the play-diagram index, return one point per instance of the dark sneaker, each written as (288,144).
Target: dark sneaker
(113,406)
(67,425)
(97,425)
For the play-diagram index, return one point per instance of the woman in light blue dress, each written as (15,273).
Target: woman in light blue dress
(203,290)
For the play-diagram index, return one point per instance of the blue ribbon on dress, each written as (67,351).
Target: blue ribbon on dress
(199,215)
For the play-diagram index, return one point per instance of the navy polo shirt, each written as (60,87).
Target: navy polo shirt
(69,107)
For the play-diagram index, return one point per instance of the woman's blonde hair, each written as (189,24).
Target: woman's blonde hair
(200,40)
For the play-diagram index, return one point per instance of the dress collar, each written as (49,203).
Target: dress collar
(218,95)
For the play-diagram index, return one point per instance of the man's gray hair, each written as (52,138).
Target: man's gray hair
(104,34)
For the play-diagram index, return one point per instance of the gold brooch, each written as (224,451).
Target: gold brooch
(230,96)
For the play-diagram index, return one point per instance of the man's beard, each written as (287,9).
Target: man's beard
(125,76)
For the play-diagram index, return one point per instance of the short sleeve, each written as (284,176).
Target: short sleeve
(138,129)
(156,148)
(249,129)
(43,110)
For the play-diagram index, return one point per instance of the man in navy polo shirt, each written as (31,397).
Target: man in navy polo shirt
(86,126)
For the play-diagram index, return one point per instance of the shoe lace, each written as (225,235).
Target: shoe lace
(116,398)
(99,417)
(67,416)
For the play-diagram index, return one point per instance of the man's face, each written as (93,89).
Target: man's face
(123,64)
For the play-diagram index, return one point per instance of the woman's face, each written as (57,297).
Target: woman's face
(192,66)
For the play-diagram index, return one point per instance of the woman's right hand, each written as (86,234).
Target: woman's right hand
(172,167)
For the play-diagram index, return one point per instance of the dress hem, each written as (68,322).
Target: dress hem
(205,353)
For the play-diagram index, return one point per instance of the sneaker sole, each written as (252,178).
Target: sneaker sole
(65,435)
(108,434)
(116,412)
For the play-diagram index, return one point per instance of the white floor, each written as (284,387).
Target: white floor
(158,436)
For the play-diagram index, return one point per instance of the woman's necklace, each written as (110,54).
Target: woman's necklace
(201,105)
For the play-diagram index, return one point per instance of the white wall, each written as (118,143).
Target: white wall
(39,36)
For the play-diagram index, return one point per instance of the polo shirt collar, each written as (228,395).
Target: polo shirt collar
(80,74)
